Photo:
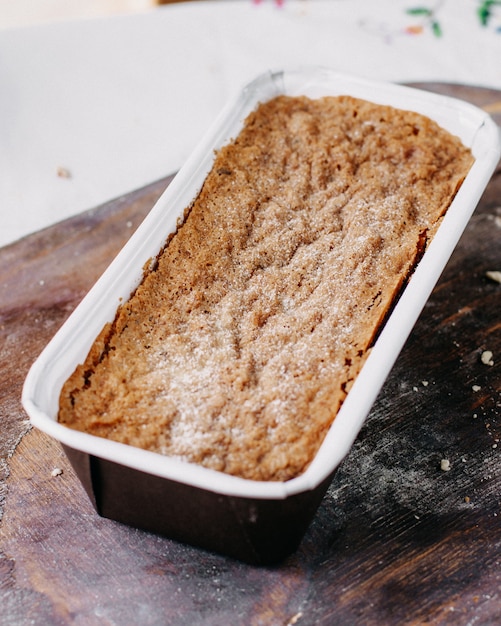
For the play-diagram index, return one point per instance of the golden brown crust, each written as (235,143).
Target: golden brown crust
(238,349)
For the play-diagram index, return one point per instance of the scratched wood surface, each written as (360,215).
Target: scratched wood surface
(396,540)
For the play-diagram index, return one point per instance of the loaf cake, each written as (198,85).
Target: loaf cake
(240,344)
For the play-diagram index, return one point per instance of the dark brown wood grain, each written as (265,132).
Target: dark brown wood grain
(396,540)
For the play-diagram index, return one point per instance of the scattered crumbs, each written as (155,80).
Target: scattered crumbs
(416,516)
(424,383)
(295,618)
(63,172)
(414,388)
(467,499)
(57,471)
(486,357)
(475,415)
(128,224)
(463,459)
(41,283)
(476,387)
(494,275)
(445,465)
(494,445)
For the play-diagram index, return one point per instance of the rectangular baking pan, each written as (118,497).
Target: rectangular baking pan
(257,522)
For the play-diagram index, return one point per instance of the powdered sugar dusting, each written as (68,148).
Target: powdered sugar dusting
(238,349)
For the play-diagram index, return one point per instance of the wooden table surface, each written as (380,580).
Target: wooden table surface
(395,541)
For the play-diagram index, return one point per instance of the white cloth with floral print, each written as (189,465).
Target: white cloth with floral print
(92,109)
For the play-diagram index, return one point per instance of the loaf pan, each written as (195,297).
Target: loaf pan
(257,522)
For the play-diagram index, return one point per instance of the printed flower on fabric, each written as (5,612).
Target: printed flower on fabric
(427,17)
(489,14)
(279,3)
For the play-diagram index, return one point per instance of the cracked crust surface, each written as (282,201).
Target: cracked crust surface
(238,349)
